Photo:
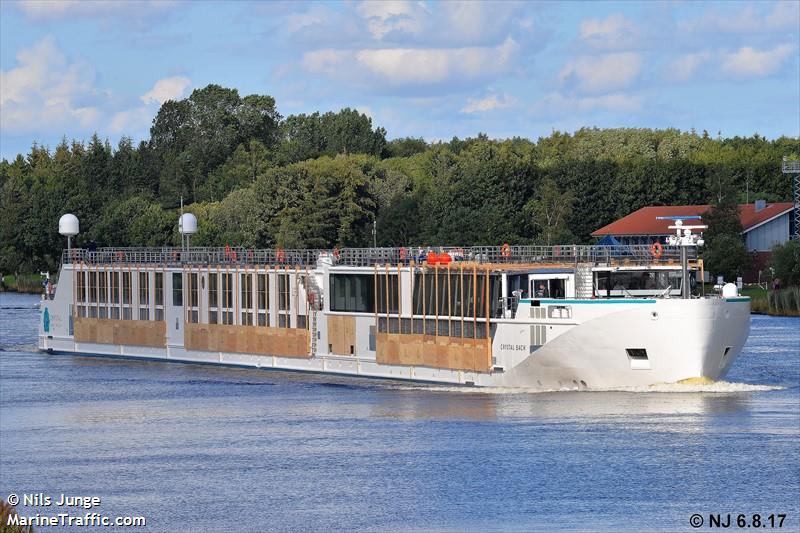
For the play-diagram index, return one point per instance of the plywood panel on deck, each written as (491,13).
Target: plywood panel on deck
(451,353)
(123,332)
(257,340)
(341,334)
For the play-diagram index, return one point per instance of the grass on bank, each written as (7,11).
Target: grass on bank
(31,283)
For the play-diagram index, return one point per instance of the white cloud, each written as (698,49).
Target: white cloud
(557,104)
(683,67)
(166,89)
(595,74)
(748,62)
(65,9)
(46,89)
(615,31)
(749,20)
(488,103)
(131,120)
(392,16)
(414,66)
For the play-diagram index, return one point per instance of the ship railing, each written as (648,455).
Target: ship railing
(366,257)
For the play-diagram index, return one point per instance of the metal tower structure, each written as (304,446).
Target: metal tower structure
(792,166)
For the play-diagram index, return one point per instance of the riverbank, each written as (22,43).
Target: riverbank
(785,302)
(23,283)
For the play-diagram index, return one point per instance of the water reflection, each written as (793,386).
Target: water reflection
(585,405)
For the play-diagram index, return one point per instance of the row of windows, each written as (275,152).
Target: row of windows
(453,294)
(467,329)
(115,313)
(104,287)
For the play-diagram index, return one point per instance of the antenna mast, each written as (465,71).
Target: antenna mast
(792,166)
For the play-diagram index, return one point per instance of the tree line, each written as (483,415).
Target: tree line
(258,179)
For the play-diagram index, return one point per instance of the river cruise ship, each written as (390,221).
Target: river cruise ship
(499,316)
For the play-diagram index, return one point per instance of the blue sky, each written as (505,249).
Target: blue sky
(423,69)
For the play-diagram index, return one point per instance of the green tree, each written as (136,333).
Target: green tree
(549,211)
(725,253)
(786,263)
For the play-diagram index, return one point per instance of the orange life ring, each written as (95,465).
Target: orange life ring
(402,254)
(656,250)
(280,255)
(505,250)
(336,253)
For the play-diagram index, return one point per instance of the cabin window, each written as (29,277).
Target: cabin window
(144,313)
(126,289)
(212,291)
(115,289)
(246,287)
(144,288)
(283,292)
(103,287)
(391,293)
(227,298)
(93,287)
(177,289)
(193,290)
(262,298)
(159,288)
(455,294)
(81,286)
(353,293)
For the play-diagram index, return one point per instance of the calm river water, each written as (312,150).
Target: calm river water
(200,448)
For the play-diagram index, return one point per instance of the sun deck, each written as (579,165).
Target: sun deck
(493,257)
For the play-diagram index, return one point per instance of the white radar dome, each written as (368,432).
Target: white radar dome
(187,224)
(729,290)
(68,225)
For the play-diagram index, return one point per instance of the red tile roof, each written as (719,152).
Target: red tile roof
(643,221)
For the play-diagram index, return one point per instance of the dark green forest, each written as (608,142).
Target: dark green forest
(258,179)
